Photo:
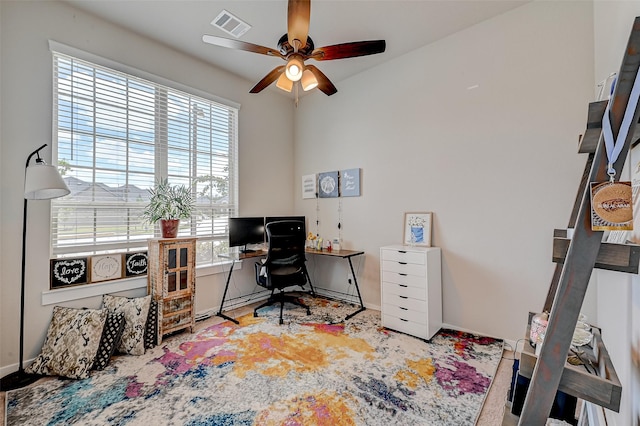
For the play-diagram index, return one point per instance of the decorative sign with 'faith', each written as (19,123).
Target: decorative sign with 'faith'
(135,264)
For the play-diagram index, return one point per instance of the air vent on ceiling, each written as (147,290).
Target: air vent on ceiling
(230,24)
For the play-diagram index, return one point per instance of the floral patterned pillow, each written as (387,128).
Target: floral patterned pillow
(135,312)
(71,344)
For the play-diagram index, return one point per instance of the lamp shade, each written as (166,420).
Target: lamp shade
(43,182)
(309,81)
(284,83)
(294,68)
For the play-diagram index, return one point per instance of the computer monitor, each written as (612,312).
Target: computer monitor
(246,230)
(269,219)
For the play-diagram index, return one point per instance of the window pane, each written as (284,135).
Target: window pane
(116,136)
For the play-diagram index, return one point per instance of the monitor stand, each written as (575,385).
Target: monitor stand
(246,250)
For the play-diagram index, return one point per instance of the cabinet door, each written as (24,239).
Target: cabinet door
(178,271)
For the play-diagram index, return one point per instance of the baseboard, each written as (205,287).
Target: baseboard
(344,297)
(238,302)
(8,369)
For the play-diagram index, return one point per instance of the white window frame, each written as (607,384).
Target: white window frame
(160,169)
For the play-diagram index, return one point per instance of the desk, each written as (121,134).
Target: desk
(235,256)
(344,254)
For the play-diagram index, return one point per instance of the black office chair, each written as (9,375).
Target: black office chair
(285,264)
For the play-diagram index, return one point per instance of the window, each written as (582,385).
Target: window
(117,134)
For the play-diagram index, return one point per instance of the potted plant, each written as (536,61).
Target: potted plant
(168,204)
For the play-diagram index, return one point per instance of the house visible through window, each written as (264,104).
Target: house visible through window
(116,135)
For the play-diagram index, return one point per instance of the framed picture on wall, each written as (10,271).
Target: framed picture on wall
(328,185)
(350,183)
(417,229)
(309,187)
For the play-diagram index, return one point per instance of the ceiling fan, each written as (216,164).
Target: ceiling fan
(295,48)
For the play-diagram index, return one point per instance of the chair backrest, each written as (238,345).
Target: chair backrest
(286,240)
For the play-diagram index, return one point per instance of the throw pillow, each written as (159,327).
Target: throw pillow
(111,336)
(71,344)
(151,330)
(135,312)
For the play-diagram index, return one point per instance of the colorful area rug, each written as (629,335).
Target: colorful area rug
(313,370)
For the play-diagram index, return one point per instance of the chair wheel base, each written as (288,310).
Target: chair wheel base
(255,315)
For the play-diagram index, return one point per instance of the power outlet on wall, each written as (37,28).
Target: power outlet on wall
(350,279)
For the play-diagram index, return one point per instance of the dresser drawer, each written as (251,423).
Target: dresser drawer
(405,279)
(405,302)
(405,268)
(406,314)
(177,320)
(403,256)
(404,326)
(404,290)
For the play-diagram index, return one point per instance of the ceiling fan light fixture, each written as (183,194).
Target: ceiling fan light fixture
(294,68)
(309,81)
(284,83)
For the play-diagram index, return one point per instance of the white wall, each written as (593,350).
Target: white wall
(612,26)
(26,81)
(497,164)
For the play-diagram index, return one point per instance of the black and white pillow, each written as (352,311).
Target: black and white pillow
(135,312)
(71,344)
(151,329)
(111,336)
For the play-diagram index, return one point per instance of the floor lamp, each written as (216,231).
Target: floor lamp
(41,182)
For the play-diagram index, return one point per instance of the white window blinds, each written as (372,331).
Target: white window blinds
(116,135)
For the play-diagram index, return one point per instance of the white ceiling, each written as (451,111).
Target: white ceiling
(405,25)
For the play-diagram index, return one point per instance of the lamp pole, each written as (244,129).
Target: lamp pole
(21,378)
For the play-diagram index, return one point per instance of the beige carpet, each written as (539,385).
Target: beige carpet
(492,411)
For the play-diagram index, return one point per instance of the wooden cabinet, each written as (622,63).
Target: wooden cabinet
(171,282)
(411,290)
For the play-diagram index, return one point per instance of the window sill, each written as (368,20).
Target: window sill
(90,290)
(60,295)
(217,268)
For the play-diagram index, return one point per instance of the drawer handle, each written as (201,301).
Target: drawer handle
(402,263)
(404,309)
(402,285)
(403,297)
(402,251)
(404,275)
(402,319)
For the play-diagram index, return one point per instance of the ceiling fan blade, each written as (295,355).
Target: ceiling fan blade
(299,13)
(268,79)
(348,50)
(324,84)
(240,45)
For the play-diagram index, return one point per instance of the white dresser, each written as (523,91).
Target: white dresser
(411,289)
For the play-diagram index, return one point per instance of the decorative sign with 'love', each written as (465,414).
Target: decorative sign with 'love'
(68,272)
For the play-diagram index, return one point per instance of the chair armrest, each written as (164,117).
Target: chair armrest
(261,274)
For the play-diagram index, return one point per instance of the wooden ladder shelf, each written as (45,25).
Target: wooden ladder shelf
(576,258)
